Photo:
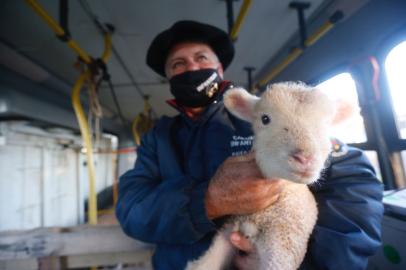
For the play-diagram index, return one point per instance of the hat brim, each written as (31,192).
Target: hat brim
(184,31)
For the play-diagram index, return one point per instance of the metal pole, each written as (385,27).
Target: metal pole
(240,18)
(249,76)
(338,15)
(300,7)
(230,15)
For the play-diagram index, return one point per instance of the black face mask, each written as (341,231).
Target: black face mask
(195,88)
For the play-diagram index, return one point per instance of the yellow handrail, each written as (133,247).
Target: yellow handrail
(319,33)
(85,131)
(289,59)
(241,15)
(136,135)
(80,115)
(58,30)
(142,117)
(108,47)
(327,26)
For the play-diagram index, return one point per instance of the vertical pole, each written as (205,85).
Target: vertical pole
(230,15)
(363,72)
(249,77)
(300,7)
(64,17)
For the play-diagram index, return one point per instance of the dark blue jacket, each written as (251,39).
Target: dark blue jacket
(161,200)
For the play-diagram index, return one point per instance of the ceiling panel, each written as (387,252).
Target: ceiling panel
(269,24)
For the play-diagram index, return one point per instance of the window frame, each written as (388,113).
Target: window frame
(379,116)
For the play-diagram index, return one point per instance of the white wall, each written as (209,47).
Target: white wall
(43,176)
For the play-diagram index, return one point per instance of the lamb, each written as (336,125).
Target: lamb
(290,123)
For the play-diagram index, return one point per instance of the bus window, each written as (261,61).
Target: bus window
(342,87)
(395,66)
(373,158)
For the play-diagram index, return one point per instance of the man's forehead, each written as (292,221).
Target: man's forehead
(187,48)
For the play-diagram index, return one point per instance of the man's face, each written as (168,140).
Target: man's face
(189,56)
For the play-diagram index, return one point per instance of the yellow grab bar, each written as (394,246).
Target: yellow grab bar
(289,59)
(108,47)
(84,128)
(327,26)
(58,30)
(319,33)
(141,118)
(137,137)
(241,15)
(85,131)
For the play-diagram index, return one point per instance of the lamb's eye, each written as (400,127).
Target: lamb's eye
(265,119)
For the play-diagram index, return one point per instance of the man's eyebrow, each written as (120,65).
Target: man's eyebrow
(195,53)
(175,58)
(201,51)
(171,60)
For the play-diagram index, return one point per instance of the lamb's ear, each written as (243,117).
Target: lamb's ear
(345,109)
(240,103)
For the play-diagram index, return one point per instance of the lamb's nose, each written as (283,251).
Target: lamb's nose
(302,158)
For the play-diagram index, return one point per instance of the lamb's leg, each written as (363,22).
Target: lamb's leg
(217,257)
(267,254)
(280,251)
(269,258)
(250,231)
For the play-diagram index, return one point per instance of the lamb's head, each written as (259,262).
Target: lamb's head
(290,123)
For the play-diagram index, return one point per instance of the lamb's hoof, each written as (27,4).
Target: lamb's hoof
(249,230)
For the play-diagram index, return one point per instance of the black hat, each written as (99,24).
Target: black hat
(183,31)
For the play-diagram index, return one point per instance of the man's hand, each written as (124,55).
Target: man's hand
(238,187)
(241,242)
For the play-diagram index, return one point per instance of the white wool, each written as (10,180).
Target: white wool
(300,117)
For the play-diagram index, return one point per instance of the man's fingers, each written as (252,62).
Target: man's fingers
(247,258)
(276,186)
(240,262)
(240,242)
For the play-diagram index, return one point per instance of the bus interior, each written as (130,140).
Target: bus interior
(76,96)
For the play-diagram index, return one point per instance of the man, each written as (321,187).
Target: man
(170,198)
